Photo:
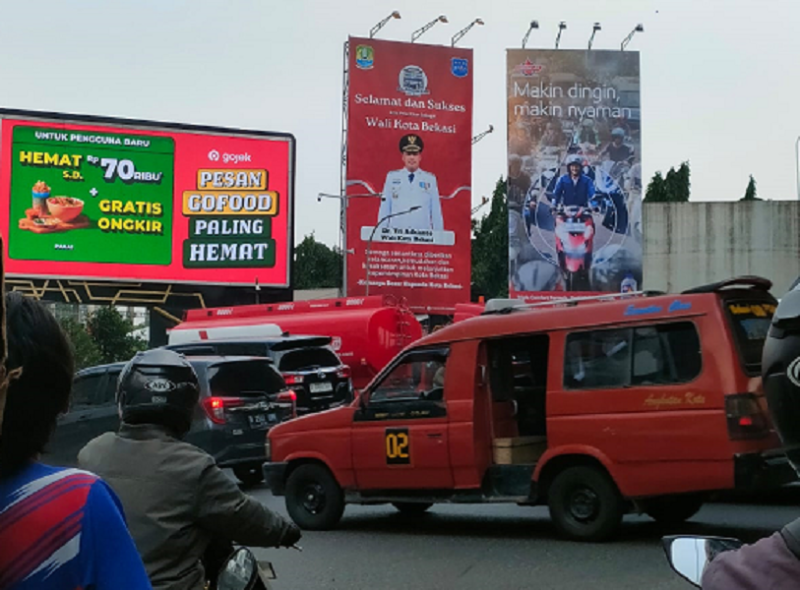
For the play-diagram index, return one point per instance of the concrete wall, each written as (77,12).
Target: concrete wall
(689,244)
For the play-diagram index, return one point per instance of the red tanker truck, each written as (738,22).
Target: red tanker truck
(366,332)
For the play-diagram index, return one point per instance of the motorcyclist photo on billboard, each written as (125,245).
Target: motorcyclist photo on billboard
(574,171)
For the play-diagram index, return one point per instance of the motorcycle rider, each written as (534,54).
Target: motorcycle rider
(574,188)
(178,502)
(617,151)
(773,562)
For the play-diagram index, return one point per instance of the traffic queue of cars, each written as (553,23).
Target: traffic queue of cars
(594,406)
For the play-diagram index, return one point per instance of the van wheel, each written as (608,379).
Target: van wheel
(249,475)
(674,509)
(585,505)
(314,499)
(412,508)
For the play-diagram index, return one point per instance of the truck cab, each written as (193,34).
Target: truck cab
(595,407)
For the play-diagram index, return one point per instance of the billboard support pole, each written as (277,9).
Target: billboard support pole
(595,28)
(343,164)
(534,25)
(638,29)
(561,26)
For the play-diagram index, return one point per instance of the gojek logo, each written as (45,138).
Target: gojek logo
(213,155)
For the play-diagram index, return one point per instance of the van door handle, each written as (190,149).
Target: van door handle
(434,435)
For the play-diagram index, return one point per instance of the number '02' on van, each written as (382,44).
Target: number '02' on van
(596,408)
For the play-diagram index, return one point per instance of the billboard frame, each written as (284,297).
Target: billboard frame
(289,138)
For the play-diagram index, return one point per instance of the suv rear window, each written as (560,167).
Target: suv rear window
(244,379)
(305,359)
(750,321)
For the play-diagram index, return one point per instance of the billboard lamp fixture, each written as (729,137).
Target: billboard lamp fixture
(422,30)
(534,25)
(480,136)
(595,28)
(561,26)
(374,30)
(458,36)
(638,29)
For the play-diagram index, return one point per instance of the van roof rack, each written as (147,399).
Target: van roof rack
(503,306)
(750,281)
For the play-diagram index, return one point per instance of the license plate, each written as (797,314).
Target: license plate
(320,387)
(258,420)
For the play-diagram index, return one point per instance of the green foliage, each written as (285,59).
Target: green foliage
(750,192)
(490,247)
(674,188)
(112,334)
(84,348)
(316,266)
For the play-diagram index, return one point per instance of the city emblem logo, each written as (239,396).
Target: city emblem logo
(365,57)
(528,69)
(413,81)
(459,66)
(213,155)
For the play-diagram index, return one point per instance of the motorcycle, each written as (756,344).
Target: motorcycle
(574,231)
(242,571)
(689,556)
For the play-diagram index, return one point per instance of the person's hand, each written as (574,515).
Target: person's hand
(291,536)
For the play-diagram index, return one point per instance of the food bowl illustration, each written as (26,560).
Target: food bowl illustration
(65,208)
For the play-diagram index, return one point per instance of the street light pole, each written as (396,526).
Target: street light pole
(372,235)
(797,164)
(595,28)
(480,136)
(561,26)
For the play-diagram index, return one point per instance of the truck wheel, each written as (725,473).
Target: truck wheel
(674,509)
(412,508)
(585,505)
(249,475)
(314,499)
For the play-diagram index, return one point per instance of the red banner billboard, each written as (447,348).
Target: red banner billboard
(107,199)
(409,147)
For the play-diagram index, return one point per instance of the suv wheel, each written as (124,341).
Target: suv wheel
(249,475)
(585,505)
(314,499)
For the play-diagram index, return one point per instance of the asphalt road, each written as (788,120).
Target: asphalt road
(502,547)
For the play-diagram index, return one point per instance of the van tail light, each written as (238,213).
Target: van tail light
(745,418)
(215,407)
(293,379)
(289,397)
(343,372)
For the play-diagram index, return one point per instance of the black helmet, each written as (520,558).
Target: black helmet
(781,374)
(158,387)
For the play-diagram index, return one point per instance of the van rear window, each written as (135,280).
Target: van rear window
(307,359)
(251,378)
(750,321)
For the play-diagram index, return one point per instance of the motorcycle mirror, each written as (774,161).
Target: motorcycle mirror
(689,556)
(239,572)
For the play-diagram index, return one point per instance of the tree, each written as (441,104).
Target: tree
(674,188)
(113,335)
(316,266)
(84,348)
(490,247)
(750,192)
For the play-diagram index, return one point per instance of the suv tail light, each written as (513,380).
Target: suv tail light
(745,418)
(215,407)
(289,397)
(343,372)
(293,379)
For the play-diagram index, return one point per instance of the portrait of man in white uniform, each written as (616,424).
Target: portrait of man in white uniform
(411,187)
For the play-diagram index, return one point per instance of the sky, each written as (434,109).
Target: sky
(719,86)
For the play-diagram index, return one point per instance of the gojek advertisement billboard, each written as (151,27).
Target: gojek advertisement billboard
(574,172)
(144,202)
(409,145)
